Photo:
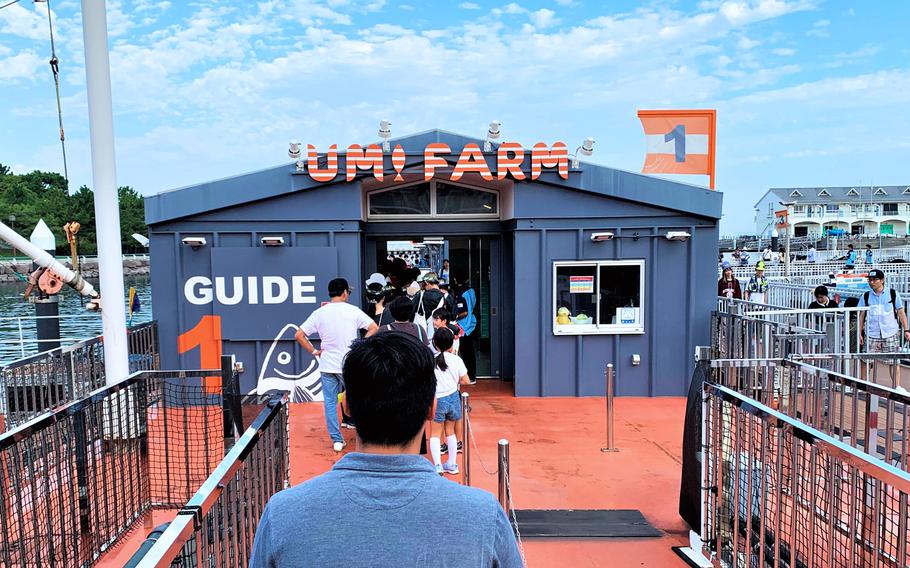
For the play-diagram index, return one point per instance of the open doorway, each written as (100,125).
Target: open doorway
(470,265)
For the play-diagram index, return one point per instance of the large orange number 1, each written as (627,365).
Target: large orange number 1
(207,336)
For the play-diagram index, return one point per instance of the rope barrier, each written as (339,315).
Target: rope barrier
(467,417)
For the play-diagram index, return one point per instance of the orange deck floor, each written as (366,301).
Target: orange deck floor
(557,464)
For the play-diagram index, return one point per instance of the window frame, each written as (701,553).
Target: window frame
(433,213)
(597,328)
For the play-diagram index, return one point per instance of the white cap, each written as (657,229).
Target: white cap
(376,278)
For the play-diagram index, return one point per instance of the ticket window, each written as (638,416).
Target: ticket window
(598,297)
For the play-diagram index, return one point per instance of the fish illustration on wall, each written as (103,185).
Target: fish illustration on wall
(277,371)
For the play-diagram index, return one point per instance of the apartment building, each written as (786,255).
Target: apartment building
(878,210)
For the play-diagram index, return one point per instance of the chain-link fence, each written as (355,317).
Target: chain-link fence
(33,385)
(75,480)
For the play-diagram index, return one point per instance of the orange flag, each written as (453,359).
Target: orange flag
(679,141)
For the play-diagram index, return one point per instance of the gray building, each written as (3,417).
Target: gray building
(605,266)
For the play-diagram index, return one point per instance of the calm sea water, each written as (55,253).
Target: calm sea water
(76,322)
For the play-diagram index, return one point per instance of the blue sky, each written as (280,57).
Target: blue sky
(808,92)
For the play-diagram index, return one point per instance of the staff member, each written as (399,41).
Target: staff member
(880,322)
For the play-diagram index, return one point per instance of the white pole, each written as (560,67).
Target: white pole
(104,175)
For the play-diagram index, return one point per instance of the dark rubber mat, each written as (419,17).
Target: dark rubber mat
(613,523)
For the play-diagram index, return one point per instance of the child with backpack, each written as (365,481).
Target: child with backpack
(450,373)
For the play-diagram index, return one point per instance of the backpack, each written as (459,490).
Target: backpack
(421,318)
(893,303)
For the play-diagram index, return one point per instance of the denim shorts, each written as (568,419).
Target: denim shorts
(448,408)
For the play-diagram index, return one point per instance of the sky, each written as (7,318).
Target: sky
(807,92)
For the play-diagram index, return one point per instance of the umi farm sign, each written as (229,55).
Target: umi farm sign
(509,158)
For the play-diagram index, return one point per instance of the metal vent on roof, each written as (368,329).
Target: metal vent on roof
(881,191)
(824,193)
(853,191)
(795,193)
(906,191)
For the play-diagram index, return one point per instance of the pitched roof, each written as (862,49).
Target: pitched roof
(845,194)
(284,179)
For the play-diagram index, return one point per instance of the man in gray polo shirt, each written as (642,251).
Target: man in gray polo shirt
(384,505)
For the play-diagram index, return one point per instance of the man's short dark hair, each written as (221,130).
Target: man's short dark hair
(337,287)
(390,385)
(442,314)
(402,309)
(821,290)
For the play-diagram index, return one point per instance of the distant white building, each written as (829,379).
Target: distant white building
(857,210)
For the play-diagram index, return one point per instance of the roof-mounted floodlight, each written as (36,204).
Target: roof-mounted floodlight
(194,242)
(385,132)
(294,150)
(492,134)
(586,149)
(599,237)
(678,236)
(272,241)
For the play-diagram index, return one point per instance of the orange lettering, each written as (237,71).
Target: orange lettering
(431,161)
(356,158)
(312,163)
(543,157)
(506,165)
(207,336)
(471,160)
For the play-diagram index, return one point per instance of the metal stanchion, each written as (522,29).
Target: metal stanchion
(465,437)
(609,377)
(505,498)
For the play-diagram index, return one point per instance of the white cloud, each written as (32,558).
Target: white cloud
(863,52)
(819,29)
(469,6)
(29,23)
(747,44)
(784,51)
(24,65)
(543,18)
(513,8)
(406,7)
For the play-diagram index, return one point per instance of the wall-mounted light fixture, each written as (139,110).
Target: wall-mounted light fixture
(586,149)
(385,132)
(493,133)
(599,237)
(194,242)
(272,241)
(678,236)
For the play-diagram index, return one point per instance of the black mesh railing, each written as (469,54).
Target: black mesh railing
(780,493)
(33,385)
(75,480)
(217,525)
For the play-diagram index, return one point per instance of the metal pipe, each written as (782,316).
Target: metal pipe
(45,260)
(505,496)
(466,437)
(609,378)
(104,175)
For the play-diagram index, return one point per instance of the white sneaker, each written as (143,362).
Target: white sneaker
(439,469)
(338,446)
(451,469)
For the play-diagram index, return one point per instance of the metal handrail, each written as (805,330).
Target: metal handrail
(190,516)
(867,464)
(51,417)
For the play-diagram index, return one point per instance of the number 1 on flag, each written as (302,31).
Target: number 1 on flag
(679,141)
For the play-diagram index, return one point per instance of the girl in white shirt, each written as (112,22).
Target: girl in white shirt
(450,372)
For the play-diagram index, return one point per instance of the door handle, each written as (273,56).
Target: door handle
(493,311)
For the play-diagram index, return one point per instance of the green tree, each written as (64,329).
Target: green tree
(45,195)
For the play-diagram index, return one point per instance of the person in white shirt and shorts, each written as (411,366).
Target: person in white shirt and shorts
(450,373)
